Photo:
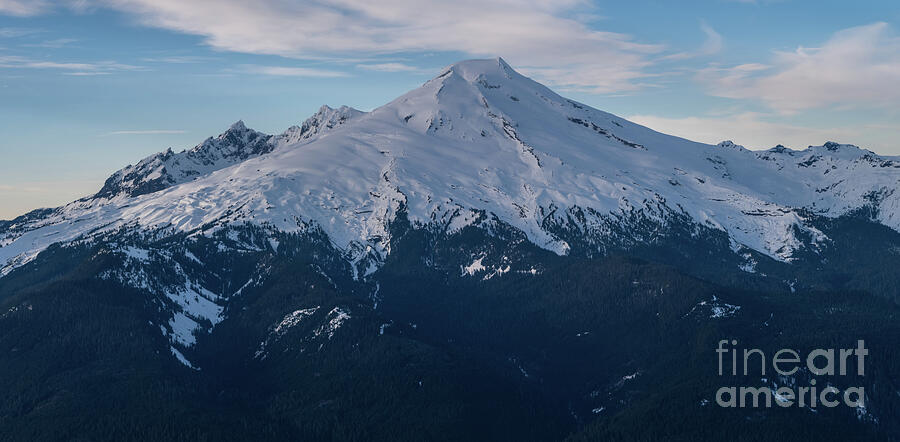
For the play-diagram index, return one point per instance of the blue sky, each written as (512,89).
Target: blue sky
(88,86)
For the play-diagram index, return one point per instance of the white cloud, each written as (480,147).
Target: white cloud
(16,32)
(539,36)
(388,67)
(178,59)
(52,44)
(856,68)
(27,8)
(711,46)
(714,41)
(23,8)
(79,68)
(755,131)
(145,132)
(289,71)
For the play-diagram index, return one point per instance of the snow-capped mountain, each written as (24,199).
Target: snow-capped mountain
(478,138)
(398,266)
(447,236)
(237,144)
(324,120)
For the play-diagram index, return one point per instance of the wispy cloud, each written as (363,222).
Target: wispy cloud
(545,38)
(78,68)
(27,8)
(290,71)
(23,8)
(856,67)
(389,67)
(52,44)
(714,41)
(178,59)
(711,46)
(86,73)
(17,32)
(145,132)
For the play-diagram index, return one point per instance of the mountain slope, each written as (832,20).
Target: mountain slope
(479,137)
(235,145)
(539,347)
(161,171)
(453,253)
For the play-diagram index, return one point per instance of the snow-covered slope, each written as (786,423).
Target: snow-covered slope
(168,168)
(478,138)
(237,144)
(324,120)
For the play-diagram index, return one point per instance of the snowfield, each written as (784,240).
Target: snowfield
(477,138)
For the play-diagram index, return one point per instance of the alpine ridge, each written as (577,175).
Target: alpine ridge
(479,138)
(479,259)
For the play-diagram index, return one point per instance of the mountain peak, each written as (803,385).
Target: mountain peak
(472,99)
(476,69)
(237,126)
(839,150)
(728,144)
(482,137)
(236,144)
(325,119)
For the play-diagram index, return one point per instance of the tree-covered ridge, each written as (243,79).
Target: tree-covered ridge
(471,335)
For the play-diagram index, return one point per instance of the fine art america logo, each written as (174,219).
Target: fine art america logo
(787,364)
